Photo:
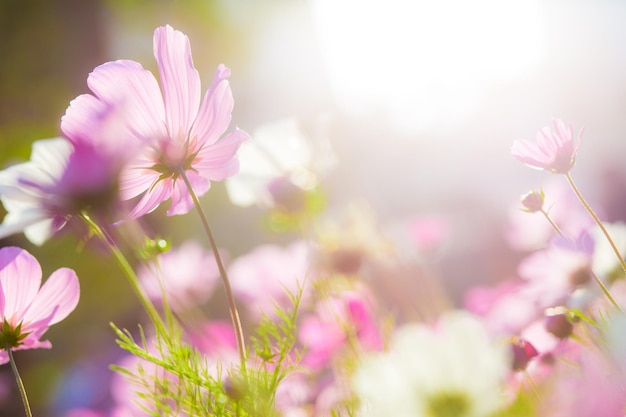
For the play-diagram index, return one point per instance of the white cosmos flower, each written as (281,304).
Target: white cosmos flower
(24,191)
(278,150)
(453,370)
(604,259)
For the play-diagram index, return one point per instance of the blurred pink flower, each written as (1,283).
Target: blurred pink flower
(66,176)
(28,310)
(505,309)
(429,233)
(554,152)
(177,131)
(187,274)
(593,386)
(337,320)
(262,277)
(553,274)
(216,340)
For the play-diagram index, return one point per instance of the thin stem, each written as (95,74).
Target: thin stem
(597,220)
(20,384)
(234,314)
(128,270)
(554,225)
(605,290)
(598,281)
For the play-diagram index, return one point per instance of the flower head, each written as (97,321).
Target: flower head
(186,276)
(26,309)
(454,370)
(554,152)
(179,134)
(67,176)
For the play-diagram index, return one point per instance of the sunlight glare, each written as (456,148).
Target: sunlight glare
(425,64)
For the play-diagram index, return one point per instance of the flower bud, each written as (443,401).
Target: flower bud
(533,201)
(523,352)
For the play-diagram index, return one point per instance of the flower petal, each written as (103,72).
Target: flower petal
(160,192)
(58,295)
(181,199)
(20,278)
(127,84)
(219,161)
(215,113)
(179,80)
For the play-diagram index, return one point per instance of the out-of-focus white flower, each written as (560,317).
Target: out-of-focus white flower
(278,150)
(452,370)
(25,192)
(604,259)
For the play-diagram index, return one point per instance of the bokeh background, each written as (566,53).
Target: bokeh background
(420,100)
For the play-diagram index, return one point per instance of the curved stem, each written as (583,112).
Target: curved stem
(598,281)
(20,384)
(234,314)
(128,270)
(597,220)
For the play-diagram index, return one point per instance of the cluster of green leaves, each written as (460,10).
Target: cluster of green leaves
(172,378)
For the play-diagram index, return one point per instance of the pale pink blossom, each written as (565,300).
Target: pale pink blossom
(263,278)
(179,133)
(505,309)
(67,176)
(553,274)
(553,151)
(27,310)
(186,275)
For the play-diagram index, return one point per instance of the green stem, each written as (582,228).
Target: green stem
(597,220)
(128,270)
(234,314)
(20,384)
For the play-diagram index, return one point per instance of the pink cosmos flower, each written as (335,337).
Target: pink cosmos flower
(66,176)
(554,152)
(335,322)
(27,310)
(178,132)
(188,276)
(263,277)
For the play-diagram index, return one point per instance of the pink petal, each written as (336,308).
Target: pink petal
(128,84)
(182,202)
(137,178)
(58,295)
(20,278)
(215,113)
(78,120)
(218,161)
(179,80)
(152,198)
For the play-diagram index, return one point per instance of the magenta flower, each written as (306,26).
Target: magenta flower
(554,152)
(178,133)
(27,310)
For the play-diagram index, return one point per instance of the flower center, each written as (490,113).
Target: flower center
(11,336)
(447,404)
(169,168)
